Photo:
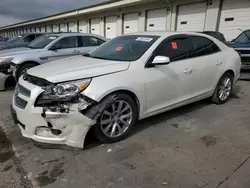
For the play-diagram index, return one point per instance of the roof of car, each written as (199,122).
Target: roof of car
(72,34)
(166,33)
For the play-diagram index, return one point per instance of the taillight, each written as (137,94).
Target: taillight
(238,53)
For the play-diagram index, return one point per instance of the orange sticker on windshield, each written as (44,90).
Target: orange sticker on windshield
(118,49)
(174,45)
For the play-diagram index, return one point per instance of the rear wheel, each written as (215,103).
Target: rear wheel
(224,89)
(23,68)
(117,119)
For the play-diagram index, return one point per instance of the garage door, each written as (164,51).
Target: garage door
(95,26)
(130,23)
(82,26)
(63,28)
(72,27)
(48,29)
(55,28)
(157,20)
(235,15)
(42,29)
(191,17)
(111,27)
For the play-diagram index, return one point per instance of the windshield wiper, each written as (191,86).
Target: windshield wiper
(86,55)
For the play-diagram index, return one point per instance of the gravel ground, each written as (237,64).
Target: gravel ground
(201,145)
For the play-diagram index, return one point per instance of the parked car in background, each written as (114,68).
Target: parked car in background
(2,39)
(19,41)
(131,77)
(242,45)
(47,48)
(216,35)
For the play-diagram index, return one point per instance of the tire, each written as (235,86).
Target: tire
(218,97)
(23,68)
(109,117)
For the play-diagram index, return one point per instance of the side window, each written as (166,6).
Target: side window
(203,46)
(90,41)
(67,42)
(29,38)
(37,35)
(175,49)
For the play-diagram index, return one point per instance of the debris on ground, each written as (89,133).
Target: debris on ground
(208,140)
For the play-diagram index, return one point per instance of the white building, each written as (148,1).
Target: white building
(117,17)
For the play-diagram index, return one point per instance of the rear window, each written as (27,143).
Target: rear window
(216,35)
(124,48)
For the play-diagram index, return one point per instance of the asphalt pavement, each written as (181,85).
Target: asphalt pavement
(202,145)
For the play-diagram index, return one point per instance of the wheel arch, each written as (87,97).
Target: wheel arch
(129,93)
(230,71)
(28,62)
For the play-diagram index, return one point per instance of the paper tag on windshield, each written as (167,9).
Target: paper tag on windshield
(144,39)
(174,45)
(52,38)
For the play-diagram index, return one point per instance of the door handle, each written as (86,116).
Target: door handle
(188,71)
(219,63)
(76,52)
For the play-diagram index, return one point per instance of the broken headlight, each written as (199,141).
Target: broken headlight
(65,91)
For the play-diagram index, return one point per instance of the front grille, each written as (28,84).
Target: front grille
(36,80)
(4,68)
(244,51)
(245,60)
(22,90)
(20,103)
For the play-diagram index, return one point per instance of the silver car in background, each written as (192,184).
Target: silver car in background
(22,40)
(46,48)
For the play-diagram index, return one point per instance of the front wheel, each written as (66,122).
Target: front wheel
(23,68)
(117,119)
(224,89)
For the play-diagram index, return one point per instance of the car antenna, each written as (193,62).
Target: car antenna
(244,33)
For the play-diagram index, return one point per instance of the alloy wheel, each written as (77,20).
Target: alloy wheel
(116,119)
(225,89)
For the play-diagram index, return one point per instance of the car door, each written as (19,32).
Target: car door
(168,85)
(207,65)
(88,43)
(65,47)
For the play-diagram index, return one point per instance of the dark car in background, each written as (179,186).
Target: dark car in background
(216,35)
(242,45)
(3,39)
(22,40)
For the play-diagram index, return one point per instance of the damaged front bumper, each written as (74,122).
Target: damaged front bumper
(62,124)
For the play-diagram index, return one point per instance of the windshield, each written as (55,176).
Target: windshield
(244,37)
(18,38)
(42,42)
(124,48)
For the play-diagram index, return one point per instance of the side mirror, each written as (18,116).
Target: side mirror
(161,60)
(54,48)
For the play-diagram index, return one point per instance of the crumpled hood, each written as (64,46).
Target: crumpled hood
(17,51)
(78,67)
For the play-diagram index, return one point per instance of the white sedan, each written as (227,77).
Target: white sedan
(128,78)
